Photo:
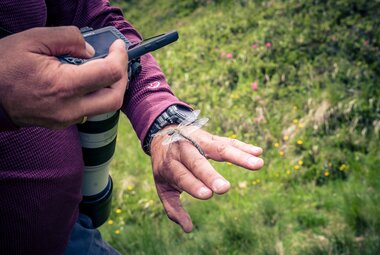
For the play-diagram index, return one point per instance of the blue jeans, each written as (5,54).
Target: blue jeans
(86,240)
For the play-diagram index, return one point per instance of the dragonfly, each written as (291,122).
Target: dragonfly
(184,130)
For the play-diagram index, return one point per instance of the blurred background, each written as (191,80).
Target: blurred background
(298,78)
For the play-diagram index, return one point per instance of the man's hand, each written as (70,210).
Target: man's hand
(37,89)
(180,167)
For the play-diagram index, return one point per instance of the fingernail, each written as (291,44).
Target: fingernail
(255,162)
(90,50)
(220,185)
(257,150)
(204,192)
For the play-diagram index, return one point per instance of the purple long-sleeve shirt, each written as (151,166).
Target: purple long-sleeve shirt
(41,169)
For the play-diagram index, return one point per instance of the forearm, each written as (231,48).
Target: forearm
(147,97)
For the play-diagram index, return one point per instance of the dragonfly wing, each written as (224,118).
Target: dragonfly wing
(200,122)
(195,126)
(196,113)
(161,132)
(190,119)
(172,139)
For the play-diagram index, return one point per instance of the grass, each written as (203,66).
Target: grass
(314,109)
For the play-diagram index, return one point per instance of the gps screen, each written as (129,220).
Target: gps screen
(101,42)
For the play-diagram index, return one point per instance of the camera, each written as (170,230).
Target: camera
(98,140)
(98,134)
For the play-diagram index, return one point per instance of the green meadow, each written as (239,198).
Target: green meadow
(301,79)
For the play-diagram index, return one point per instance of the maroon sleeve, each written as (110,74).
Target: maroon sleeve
(149,94)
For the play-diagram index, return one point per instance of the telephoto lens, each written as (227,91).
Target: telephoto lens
(98,140)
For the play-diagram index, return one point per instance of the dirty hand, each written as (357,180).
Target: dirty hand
(180,167)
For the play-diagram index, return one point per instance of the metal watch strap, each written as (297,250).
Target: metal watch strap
(174,114)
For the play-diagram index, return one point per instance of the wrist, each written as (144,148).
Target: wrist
(157,140)
(174,114)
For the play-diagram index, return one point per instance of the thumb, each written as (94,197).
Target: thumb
(56,41)
(170,199)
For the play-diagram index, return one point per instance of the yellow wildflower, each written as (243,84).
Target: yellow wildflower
(242,184)
(343,167)
(228,163)
(295,121)
(299,142)
(288,172)
(233,136)
(296,167)
(300,162)
(130,187)
(254,182)
(148,204)
(300,125)
(281,153)
(117,231)
(234,96)
(110,222)
(276,145)
(327,173)
(286,137)
(118,211)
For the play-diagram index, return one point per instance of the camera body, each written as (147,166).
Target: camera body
(98,134)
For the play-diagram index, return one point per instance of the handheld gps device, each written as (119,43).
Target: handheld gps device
(101,40)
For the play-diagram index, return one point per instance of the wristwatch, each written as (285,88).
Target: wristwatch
(174,114)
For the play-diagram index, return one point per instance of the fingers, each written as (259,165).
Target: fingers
(61,94)
(254,150)
(104,100)
(202,170)
(233,151)
(173,207)
(184,180)
(99,73)
(96,87)
(191,172)
(60,41)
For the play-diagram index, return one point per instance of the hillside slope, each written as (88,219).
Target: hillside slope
(298,78)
